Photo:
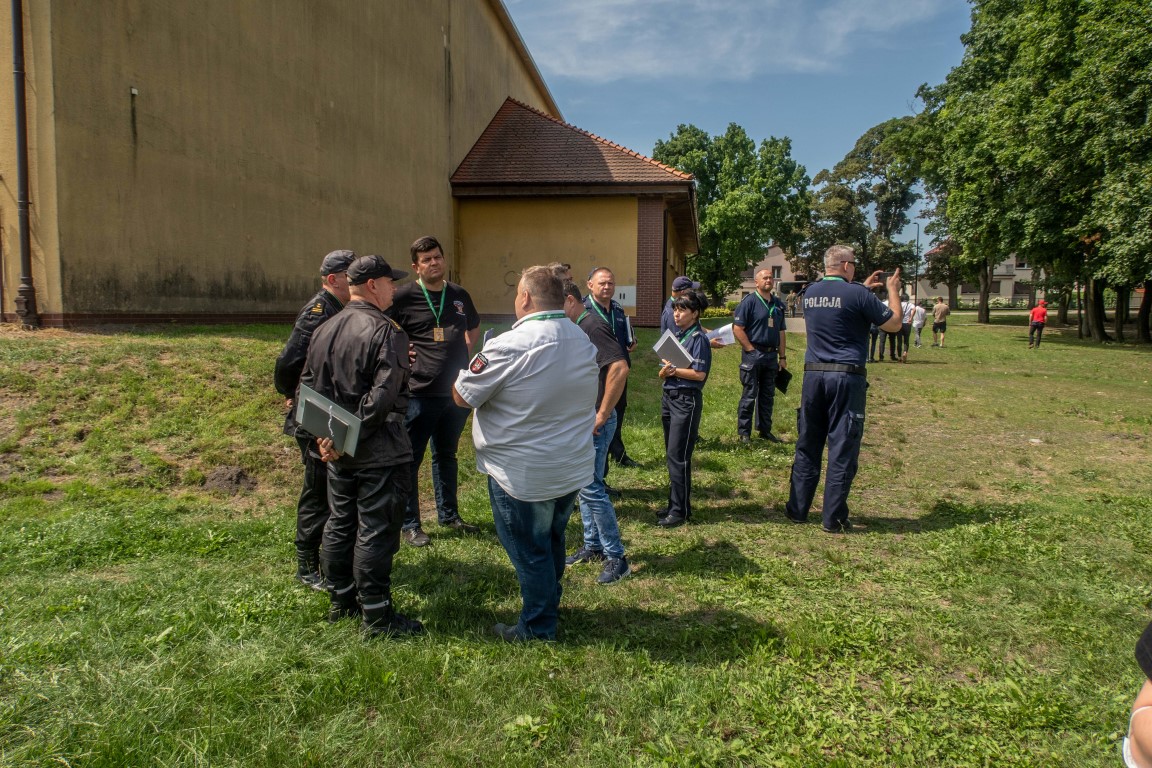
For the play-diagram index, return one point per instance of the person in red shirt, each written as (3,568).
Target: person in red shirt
(1039,315)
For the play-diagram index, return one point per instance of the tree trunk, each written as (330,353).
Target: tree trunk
(1143,334)
(1122,299)
(1062,308)
(1094,310)
(983,313)
(953,296)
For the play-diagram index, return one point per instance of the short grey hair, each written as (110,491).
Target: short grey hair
(838,254)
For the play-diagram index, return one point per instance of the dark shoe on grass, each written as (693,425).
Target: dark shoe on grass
(628,462)
(509,633)
(460,525)
(671,521)
(416,537)
(771,438)
(614,570)
(585,555)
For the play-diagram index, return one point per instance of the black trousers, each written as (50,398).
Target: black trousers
(680,415)
(362,535)
(312,508)
(759,380)
(616,448)
(905,338)
(1038,330)
(831,412)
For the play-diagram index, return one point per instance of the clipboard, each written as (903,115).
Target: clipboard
(669,348)
(323,418)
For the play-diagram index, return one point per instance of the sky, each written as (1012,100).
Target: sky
(820,72)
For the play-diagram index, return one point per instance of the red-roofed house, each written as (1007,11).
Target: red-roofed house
(534,189)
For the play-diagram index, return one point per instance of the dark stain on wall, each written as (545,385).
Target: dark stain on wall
(246,288)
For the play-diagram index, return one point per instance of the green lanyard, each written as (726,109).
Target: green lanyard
(544,316)
(435,313)
(583,315)
(689,333)
(610,318)
(768,307)
(836,278)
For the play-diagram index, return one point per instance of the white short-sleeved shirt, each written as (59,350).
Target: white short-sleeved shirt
(534,391)
(918,317)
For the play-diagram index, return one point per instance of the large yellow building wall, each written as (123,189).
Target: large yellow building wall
(39,100)
(207,154)
(500,237)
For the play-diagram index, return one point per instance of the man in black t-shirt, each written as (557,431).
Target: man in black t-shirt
(441,322)
(602,542)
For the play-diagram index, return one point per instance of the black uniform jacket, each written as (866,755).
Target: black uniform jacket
(290,363)
(359,360)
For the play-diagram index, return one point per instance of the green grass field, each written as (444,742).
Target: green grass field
(985,618)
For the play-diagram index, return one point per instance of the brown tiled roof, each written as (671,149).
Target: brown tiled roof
(523,146)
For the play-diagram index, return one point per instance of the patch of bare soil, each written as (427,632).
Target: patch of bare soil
(230,480)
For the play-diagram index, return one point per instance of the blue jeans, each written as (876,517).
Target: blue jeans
(601,532)
(440,420)
(532,533)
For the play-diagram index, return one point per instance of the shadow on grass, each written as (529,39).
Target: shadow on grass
(697,636)
(943,515)
(459,599)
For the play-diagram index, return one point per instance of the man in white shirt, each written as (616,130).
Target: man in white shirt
(908,311)
(533,389)
(918,317)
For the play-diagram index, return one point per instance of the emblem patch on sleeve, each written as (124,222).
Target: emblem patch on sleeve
(479,363)
(318,309)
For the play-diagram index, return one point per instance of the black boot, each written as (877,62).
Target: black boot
(344,604)
(381,620)
(308,568)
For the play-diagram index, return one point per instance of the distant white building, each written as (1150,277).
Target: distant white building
(786,280)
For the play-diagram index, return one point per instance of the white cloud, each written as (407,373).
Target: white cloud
(605,40)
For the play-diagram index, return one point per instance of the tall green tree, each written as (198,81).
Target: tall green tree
(747,197)
(864,201)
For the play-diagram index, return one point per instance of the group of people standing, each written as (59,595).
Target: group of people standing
(548,398)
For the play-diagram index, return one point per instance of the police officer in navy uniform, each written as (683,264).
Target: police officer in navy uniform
(837,313)
(599,301)
(312,508)
(359,361)
(680,286)
(759,329)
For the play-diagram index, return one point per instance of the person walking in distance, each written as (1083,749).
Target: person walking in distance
(940,312)
(1038,318)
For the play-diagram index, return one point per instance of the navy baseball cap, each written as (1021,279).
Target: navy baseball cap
(683,283)
(372,267)
(336,262)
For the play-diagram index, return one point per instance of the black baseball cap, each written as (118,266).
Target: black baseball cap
(336,262)
(372,267)
(683,283)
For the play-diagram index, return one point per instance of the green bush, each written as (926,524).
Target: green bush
(717,312)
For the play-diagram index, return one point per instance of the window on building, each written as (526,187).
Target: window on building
(975,288)
(776,272)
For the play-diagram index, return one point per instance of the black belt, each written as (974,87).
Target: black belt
(859,370)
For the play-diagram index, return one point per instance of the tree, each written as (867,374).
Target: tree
(864,201)
(747,197)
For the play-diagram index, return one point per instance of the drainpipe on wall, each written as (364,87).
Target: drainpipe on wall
(26,293)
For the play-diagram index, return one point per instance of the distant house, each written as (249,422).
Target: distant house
(534,189)
(1012,281)
(785,279)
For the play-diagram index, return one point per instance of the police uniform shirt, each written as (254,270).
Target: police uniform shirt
(762,320)
(667,319)
(607,350)
(836,318)
(695,341)
(534,391)
(616,320)
(437,362)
